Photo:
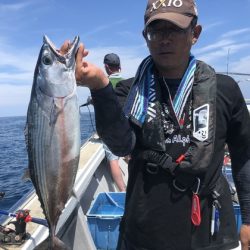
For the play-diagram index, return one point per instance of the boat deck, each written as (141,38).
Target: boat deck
(92,178)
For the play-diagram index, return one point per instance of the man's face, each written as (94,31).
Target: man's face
(169,45)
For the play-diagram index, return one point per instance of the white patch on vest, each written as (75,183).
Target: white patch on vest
(201,122)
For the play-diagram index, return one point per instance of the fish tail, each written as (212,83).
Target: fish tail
(52,243)
(57,244)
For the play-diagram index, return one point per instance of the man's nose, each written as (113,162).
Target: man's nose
(167,36)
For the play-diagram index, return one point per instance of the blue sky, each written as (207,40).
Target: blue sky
(104,27)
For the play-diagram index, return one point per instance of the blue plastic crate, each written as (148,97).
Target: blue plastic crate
(104,218)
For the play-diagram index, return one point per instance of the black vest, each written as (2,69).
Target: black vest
(195,139)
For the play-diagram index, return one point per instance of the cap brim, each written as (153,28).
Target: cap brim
(180,20)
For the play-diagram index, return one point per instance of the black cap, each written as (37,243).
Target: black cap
(112,59)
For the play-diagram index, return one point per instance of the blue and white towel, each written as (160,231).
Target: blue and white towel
(141,91)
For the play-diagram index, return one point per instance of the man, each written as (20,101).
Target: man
(113,69)
(112,66)
(175,180)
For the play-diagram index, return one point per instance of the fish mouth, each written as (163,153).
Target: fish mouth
(73,47)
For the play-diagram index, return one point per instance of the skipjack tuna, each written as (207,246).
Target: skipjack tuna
(53,133)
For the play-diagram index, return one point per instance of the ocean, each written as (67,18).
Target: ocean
(14,158)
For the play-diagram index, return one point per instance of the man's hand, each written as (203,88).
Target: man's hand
(87,74)
(245,237)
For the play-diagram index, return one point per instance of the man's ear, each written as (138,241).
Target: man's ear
(107,68)
(196,33)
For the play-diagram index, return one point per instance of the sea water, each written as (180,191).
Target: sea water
(14,157)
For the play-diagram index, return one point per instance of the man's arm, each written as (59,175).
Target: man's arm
(111,124)
(239,147)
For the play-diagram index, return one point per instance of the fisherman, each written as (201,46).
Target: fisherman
(112,65)
(178,116)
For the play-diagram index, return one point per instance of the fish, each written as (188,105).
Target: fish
(52,133)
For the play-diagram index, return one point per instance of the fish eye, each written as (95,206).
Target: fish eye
(47,60)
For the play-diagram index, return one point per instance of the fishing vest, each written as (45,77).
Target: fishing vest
(194,137)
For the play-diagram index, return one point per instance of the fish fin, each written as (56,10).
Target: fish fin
(57,244)
(25,131)
(26,175)
(56,109)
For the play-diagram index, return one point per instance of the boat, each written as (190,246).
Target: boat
(93,178)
